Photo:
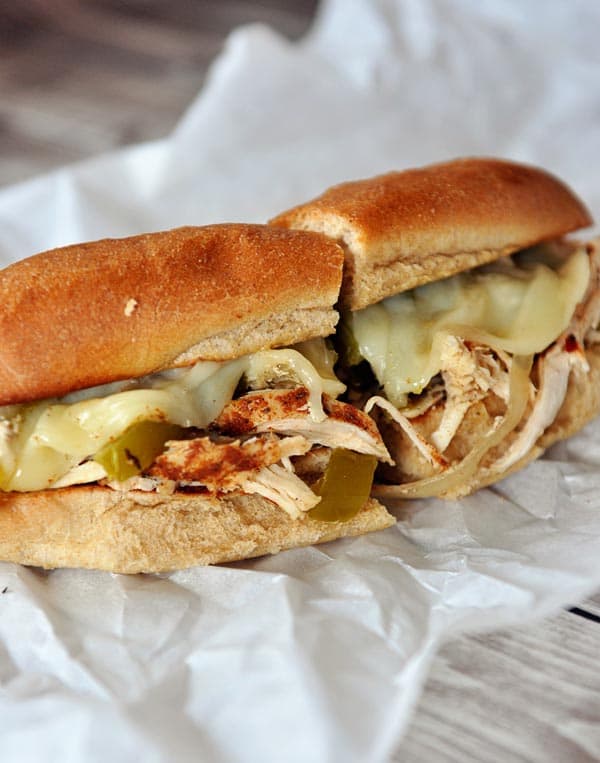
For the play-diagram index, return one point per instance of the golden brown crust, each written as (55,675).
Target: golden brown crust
(134,532)
(407,228)
(119,308)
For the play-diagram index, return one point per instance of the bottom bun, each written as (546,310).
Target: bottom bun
(130,532)
(580,406)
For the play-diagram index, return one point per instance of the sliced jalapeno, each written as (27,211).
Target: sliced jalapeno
(135,449)
(344,486)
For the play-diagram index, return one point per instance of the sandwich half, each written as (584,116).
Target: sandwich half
(469,321)
(167,400)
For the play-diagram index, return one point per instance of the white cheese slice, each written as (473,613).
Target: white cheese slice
(520,305)
(42,442)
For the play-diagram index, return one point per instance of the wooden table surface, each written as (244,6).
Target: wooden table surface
(78,78)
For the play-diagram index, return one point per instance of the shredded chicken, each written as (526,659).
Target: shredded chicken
(469,373)
(260,464)
(285,411)
(554,371)
(283,487)
(222,466)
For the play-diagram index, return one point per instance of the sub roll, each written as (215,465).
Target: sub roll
(167,400)
(469,325)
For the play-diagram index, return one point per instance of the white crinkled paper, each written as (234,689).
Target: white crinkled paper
(316,654)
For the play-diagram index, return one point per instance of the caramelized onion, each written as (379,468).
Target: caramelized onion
(456,477)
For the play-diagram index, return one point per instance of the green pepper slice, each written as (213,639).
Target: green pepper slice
(135,449)
(344,486)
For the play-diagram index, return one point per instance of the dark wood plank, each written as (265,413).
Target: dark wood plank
(79,78)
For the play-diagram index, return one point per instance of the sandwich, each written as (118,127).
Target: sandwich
(168,400)
(469,325)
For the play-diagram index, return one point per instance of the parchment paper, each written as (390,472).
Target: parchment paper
(316,654)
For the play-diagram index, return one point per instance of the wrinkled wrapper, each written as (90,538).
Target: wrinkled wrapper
(316,654)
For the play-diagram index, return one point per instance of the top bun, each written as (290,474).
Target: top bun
(404,229)
(116,309)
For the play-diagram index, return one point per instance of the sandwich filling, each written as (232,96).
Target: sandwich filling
(487,352)
(267,423)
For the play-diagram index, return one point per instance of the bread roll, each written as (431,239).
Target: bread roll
(100,528)
(90,314)
(114,309)
(404,229)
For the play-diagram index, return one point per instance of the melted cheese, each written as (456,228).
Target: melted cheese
(520,305)
(42,442)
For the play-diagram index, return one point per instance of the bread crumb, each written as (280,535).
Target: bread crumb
(130,306)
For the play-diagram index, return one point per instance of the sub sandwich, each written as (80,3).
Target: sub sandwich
(469,324)
(167,400)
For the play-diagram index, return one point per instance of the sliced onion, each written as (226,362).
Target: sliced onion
(457,476)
